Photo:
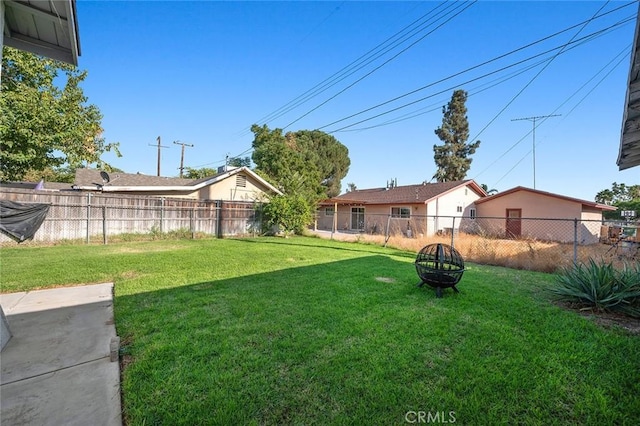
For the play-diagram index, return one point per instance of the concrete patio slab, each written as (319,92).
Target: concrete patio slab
(57,368)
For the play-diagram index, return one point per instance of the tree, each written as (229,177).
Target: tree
(308,163)
(624,197)
(46,126)
(453,157)
(351,187)
(487,190)
(240,162)
(191,173)
(618,193)
(289,213)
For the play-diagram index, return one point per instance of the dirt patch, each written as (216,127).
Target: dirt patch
(145,249)
(607,320)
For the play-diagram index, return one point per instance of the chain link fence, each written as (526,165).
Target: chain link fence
(543,244)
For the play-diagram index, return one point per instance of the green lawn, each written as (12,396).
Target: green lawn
(308,331)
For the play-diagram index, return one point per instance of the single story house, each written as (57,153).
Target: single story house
(423,209)
(530,213)
(232,184)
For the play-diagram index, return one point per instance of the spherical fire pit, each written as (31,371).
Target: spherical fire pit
(440,266)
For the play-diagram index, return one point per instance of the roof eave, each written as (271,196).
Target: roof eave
(629,152)
(66,24)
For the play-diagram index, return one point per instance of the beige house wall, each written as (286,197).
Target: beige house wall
(376,217)
(538,206)
(421,220)
(229,190)
(532,205)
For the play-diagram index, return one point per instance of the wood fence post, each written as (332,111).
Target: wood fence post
(88,216)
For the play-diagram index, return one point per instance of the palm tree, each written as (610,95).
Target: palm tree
(487,190)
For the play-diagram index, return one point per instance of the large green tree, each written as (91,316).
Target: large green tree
(310,163)
(619,192)
(453,157)
(240,162)
(46,124)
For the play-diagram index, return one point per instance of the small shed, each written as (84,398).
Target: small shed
(530,213)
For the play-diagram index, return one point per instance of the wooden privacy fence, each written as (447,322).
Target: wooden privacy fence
(94,217)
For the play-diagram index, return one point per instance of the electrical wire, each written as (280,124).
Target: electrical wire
(353,67)
(539,73)
(580,41)
(468,70)
(375,69)
(622,56)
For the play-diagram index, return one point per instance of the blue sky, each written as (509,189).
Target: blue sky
(203,72)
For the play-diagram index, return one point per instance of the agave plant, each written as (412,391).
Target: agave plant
(601,286)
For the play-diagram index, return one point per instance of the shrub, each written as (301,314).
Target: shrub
(289,213)
(601,286)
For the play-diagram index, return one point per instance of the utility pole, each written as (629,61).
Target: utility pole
(159,147)
(182,155)
(533,119)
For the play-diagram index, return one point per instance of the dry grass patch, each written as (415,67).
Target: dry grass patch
(534,255)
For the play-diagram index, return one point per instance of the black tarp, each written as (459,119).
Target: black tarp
(20,221)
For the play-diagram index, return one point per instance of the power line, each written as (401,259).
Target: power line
(348,70)
(564,48)
(437,106)
(580,41)
(376,68)
(575,42)
(621,56)
(546,65)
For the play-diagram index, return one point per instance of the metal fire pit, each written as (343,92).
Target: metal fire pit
(440,266)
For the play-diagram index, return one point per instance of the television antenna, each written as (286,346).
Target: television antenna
(533,119)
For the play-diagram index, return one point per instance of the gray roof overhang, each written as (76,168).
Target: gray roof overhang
(47,28)
(629,155)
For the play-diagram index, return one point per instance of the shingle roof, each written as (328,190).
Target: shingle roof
(402,194)
(51,186)
(546,194)
(87,177)
(92,180)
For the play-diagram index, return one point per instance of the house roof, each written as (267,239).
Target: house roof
(46,28)
(629,154)
(546,194)
(93,180)
(409,194)
(46,186)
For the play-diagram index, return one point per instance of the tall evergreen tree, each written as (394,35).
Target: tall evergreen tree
(453,157)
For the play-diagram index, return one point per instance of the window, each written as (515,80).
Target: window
(459,209)
(357,218)
(472,213)
(401,212)
(328,211)
(241,181)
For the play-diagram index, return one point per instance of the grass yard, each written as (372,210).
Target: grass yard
(309,331)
